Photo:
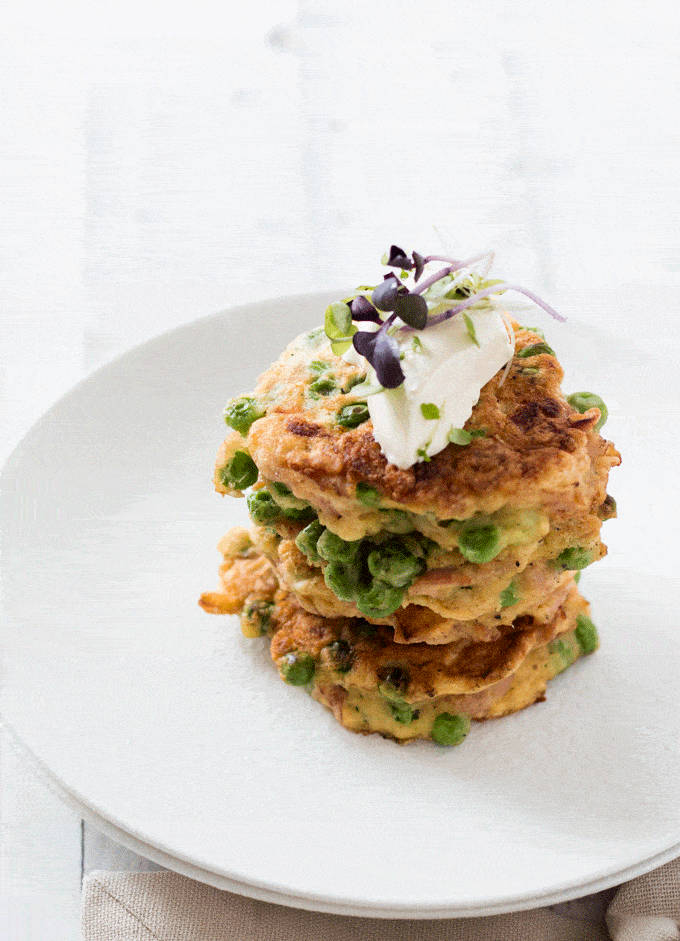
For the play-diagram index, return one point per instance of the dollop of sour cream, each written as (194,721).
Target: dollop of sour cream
(444,370)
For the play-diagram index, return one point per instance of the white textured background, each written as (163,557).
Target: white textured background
(162,162)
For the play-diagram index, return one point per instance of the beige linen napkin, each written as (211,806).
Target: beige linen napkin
(168,907)
(165,906)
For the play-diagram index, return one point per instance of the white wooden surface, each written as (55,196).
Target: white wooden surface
(162,162)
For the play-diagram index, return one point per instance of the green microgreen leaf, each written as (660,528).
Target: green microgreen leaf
(341,346)
(535,349)
(429,411)
(459,436)
(338,321)
(423,453)
(472,333)
(417,345)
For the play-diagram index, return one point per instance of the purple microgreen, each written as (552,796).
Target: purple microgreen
(429,411)
(385,294)
(362,309)
(419,265)
(472,333)
(397,258)
(449,261)
(338,321)
(428,282)
(495,289)
(382,352)
(412,309)
(451,268)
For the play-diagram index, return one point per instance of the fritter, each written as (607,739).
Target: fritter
(373,684)
(473,597)
(533,449)
(414,593)
(351,535)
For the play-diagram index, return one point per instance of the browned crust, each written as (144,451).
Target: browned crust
(458,668)
(538,449)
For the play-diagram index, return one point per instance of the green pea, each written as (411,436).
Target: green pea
(586,634)
(394,564)
(509,596)
(354,381)
(297,668)
(479,542)
(307,539)
(394,683)
(257,615)
(241,471)
(396,521)
(582,401)
(573,558)
(341,655)
(563,655)
(535,350)
(449,729)
(289,506)
(351,416)
(342,579)
(262,507)
(402,712)
(607,510)
(322,386)
(379,600)
(334,549)
(534,330)
(367,495)
(240,413)
(301,514)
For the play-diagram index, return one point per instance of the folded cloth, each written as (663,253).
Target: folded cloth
(648,908)
(164,906)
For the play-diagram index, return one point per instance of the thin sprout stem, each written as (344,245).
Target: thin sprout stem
(450,261)
(494,289)
(454,266)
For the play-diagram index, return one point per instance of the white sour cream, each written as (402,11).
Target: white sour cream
(444,368)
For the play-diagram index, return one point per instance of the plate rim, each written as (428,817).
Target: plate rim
(264,892)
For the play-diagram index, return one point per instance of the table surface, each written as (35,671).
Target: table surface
(161,162)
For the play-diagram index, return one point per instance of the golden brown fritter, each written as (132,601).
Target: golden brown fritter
(374,685)
(458,668)
(455,589)
(538,451)
(245,575)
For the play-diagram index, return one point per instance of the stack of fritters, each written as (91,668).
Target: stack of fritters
(410,601)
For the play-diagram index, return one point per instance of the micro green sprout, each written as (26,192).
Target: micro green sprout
(392,301)
(429,411)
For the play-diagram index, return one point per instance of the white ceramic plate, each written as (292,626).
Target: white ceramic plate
(174,734)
